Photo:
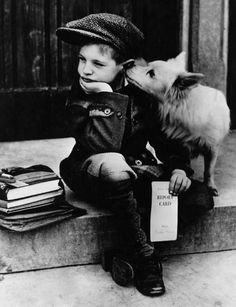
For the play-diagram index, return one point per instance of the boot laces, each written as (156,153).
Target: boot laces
(150,267)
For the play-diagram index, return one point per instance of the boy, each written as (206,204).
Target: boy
(112,124)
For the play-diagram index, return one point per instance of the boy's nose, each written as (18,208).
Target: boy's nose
(87,69)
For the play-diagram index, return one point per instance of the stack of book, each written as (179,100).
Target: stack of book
(34,198)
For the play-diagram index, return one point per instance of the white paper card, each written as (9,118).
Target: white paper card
(164,213)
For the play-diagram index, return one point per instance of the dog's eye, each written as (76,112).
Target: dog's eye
(151,73)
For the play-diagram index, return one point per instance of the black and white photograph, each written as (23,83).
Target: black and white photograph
(117,153)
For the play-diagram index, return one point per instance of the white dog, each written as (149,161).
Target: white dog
(196,115)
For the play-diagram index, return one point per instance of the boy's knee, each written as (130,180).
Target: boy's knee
(108,173)
(110,167)
(114,168)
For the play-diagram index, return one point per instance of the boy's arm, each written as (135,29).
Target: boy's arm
(176,160)
(171,153)
(76,110)
(97,121)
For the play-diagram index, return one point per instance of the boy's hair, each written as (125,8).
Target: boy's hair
(105,48)
(113,30)
(115,54)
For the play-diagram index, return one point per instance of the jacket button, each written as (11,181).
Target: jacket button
(107,111)
(119,115)
(138,162)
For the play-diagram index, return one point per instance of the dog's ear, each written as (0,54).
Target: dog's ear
(131,62)
(128,64)
(188,80)
(181,60)
(141,62)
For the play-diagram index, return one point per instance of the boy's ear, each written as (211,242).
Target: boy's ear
(188,80)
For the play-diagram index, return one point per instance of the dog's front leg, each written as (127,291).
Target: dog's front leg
(210,157)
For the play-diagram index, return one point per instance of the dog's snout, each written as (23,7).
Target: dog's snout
(128,64)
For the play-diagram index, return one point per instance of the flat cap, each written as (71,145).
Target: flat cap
(110,29)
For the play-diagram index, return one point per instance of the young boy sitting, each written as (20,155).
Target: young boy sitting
(112,123)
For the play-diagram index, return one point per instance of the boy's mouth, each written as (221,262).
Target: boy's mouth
(87,80)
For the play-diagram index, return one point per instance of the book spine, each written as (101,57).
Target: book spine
(3,203)
(38,180)
(35,176)
(4,188)
(31,206)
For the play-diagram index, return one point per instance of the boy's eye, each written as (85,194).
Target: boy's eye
(80,58)
(151,73)
(99,64)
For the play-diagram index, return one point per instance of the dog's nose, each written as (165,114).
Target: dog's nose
(128,64)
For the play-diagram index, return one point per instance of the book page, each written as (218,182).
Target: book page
(164,213)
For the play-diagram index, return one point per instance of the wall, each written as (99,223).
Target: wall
(37,69)
(231,81)
(208,41)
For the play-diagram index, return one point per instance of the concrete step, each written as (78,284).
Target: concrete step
(82,240)
(198,280)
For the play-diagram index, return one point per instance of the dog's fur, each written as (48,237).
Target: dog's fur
(196,115)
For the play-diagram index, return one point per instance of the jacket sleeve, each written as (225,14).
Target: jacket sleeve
(97,121)
(172,155)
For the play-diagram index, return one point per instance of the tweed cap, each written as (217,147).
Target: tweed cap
(110,29)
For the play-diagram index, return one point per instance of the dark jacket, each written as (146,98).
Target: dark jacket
(123,122)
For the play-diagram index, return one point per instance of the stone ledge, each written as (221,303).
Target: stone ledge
(81,240)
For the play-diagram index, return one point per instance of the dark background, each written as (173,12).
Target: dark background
(36,69)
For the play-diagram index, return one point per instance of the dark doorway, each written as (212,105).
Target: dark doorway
(36,69)
(231,89)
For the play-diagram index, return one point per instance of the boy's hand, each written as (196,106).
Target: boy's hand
(94,87)
(179,182)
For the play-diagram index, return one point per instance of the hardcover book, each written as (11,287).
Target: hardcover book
(30,181)
(40,217)
(32,201)
(35,199)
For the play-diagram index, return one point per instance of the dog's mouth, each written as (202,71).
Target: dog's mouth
(141,86)
(134,82)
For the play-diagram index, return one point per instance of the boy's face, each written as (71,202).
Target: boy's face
(96,63)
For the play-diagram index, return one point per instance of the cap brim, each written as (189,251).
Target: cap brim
(76,36)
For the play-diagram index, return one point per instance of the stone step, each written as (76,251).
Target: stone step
(198,280)
(82,240)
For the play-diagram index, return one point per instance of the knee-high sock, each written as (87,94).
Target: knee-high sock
(121,200)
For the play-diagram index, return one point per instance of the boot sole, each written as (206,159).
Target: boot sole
(122,272)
